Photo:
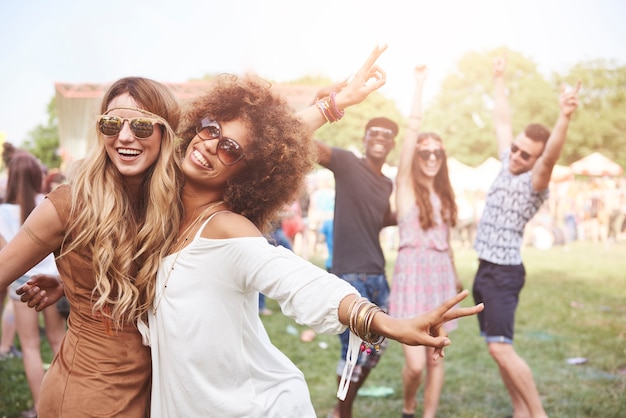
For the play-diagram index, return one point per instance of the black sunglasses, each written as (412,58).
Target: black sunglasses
(229,152)
(525,156)
(425,154)
(386,134)
(141,127)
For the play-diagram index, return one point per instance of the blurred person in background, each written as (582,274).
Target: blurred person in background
(22,195)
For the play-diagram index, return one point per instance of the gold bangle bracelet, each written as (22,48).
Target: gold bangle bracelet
(353,324)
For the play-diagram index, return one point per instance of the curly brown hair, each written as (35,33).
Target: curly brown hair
(442,187)
(278,158)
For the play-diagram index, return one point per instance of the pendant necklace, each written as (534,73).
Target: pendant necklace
(187,234)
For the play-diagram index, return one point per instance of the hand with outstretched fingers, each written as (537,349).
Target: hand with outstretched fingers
(427,329)
(368,78)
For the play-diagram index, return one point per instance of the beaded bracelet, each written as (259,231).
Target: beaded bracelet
(339,113)
(329,109)
(320,107)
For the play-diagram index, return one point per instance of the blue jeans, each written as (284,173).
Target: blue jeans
(375,288)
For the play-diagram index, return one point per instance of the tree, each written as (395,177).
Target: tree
(43,141)
(600,123)
(462,111)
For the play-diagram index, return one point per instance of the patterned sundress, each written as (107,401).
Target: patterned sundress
(423,275)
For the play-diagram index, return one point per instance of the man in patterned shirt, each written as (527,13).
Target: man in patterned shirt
(513,199)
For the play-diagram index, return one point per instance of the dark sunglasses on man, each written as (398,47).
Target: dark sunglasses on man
(525,156)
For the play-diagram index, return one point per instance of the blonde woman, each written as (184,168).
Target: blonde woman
(109,229)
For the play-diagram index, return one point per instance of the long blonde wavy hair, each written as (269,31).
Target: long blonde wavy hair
(126,238)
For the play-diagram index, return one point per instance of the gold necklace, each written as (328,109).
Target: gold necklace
(187,234)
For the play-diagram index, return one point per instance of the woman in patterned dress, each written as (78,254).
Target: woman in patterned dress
(424,274)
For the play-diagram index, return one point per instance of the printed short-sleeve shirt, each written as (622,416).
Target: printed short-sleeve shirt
(510,203)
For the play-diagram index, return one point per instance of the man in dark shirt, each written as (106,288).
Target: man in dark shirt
(362,210)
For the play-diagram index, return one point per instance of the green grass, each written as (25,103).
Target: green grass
(14,391)
(573,305)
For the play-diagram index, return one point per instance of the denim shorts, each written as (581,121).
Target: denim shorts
(498,287)
(375,288)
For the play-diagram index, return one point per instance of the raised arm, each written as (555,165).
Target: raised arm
(542,170)
(405,194)
(370,77)
(501,111)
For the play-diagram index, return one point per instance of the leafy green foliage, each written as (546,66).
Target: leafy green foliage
(44,139)
(600,122)
(462,111)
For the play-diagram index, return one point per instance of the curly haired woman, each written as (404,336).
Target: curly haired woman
(246,156)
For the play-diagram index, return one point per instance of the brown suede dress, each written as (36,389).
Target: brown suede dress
(97,373)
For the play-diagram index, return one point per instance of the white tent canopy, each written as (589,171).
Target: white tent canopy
(596,164)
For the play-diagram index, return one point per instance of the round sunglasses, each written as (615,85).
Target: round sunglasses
(229,152)
(425,154)
(141,127)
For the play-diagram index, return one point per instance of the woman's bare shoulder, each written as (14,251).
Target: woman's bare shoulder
(226,224)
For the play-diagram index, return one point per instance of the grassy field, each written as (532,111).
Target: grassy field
(573,305)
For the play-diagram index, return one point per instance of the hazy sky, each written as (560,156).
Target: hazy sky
(43,42)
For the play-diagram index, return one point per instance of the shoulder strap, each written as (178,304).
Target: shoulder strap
(204,224)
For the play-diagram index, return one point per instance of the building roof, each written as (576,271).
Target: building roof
(78,104)
(298,95)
